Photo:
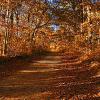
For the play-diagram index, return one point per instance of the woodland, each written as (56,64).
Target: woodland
(49,49)
(63,26)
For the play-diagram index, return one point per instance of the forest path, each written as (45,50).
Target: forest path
(51,77)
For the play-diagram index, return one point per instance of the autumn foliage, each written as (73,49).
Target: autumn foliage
(25,25)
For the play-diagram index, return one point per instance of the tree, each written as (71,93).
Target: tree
(20,16)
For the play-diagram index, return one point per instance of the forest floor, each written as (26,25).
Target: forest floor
(50,77)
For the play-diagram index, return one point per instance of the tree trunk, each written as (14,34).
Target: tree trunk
(6,36)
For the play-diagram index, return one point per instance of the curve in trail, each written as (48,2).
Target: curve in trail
(53,78)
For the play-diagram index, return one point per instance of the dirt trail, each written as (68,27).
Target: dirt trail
(50,78)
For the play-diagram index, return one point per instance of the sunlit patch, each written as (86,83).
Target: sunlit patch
(48,62)
(35,71)
(54,57)
(94,64)
(54,47)
(97,75)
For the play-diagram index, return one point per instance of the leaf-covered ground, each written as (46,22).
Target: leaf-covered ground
(51,77)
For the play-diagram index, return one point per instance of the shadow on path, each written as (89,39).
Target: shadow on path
(50,77)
